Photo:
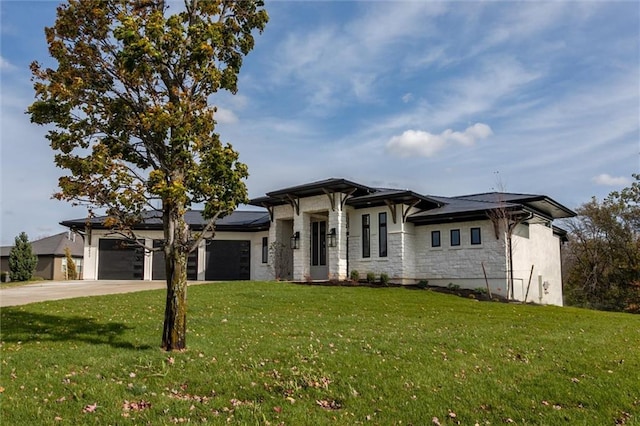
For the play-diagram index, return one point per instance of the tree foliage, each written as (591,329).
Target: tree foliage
(22,261)
(603,258)
(134,128)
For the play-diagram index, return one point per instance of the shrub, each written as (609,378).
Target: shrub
(354,275)
(384,278)
(72,272)
(371,277)
(454,287)
(22,261)
(480,290)
(423,284)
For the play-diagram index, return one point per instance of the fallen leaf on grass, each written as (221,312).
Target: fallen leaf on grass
(136,406)
(435,421)
(90,408)
(329,405)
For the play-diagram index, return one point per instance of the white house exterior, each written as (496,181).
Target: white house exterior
(325,230)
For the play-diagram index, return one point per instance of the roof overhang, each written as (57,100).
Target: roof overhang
(386,197)
(328,186)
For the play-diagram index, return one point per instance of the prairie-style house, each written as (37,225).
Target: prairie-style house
(325,230)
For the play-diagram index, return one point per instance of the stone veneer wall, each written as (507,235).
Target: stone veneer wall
(462,265)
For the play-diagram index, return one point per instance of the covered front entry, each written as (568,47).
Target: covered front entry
(319,267)
(119,260)
(228,260)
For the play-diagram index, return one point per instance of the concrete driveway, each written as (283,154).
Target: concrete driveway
(55,290)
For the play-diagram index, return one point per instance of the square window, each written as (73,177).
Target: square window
(435,238)
(455,237)
(475,236)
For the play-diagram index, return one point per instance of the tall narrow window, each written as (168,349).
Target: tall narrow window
(366,236)
(455,237)
(382,234)
(435,238)
(265,249)
(475,236)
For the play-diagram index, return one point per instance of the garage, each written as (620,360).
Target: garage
(119,260)
(228,260)
(158,271)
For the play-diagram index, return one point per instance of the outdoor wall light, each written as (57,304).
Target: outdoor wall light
(295,240)
(331,236)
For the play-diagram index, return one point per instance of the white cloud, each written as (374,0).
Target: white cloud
(6,65)
(608,180)
(425,144)
(225,116)
(407,97)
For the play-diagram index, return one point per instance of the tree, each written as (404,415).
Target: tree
(133,125)
(22,261)
(505,219)
(603,255)
(71,271)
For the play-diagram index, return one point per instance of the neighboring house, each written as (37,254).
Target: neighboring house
(52,261)
(325,230)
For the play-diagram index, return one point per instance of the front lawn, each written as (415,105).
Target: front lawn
(278,353)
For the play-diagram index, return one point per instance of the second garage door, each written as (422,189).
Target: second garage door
(119,260)
(228,260)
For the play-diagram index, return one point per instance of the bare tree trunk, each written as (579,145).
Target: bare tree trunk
(176,252)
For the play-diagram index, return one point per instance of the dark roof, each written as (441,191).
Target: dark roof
(381,196)
(152,220)
(433,209)
(54,245)
(456,209)
(539,203)
(466,207)
(332,185)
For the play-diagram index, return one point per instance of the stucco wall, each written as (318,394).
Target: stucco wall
(542,251)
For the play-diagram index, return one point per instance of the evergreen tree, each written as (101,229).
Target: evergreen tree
(72,271)
(22,261)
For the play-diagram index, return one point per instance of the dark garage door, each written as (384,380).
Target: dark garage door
(228,260)
(120,261)
(158,271)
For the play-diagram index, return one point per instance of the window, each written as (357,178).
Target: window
(455,237)
(366,236)
(319,243)
(435,238)
(265,249)
(382,234)
(475,236)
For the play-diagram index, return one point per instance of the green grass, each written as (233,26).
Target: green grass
(277,353)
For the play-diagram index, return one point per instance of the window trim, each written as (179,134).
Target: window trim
(451,233)
(382,235)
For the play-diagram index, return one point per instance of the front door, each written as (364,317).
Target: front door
(319,268)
